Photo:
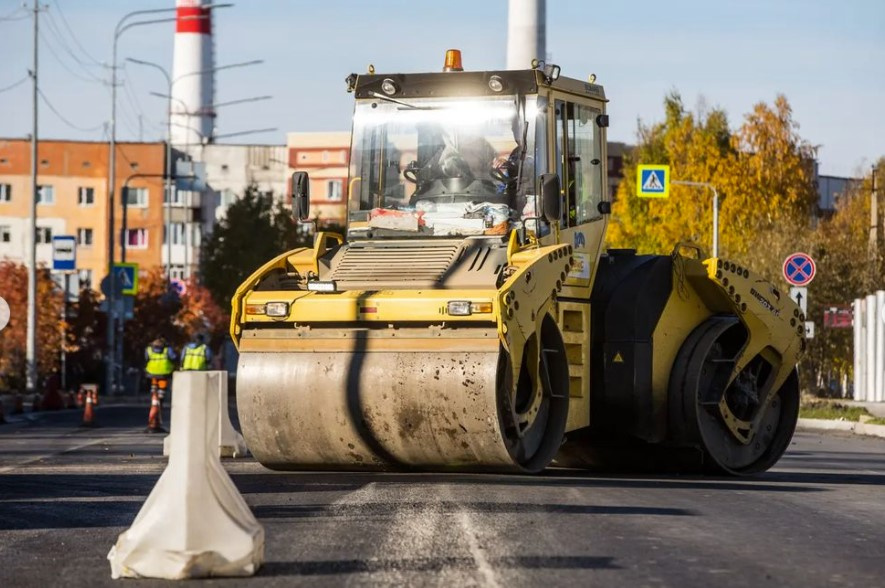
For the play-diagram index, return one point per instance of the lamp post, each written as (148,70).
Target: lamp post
(122,27)
(715,209)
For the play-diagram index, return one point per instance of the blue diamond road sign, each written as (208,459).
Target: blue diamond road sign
(799,269)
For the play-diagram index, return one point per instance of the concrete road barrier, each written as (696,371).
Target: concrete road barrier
(230,442)
(194,523)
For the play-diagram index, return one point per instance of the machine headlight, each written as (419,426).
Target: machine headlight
(496,84)
(388,86)
(467,308)
(318,286)
(277,309)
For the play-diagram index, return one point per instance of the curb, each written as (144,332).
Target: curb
(844,426)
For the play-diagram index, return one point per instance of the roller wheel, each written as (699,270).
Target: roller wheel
(533,411)
(698,386)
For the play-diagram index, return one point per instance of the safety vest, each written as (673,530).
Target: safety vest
(159,363)
(194,358)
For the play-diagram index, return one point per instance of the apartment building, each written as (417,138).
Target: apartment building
(72,199)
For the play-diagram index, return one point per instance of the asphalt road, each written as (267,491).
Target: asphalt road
(817,519)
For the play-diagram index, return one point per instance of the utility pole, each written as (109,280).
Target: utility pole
(31,353)
(873,251)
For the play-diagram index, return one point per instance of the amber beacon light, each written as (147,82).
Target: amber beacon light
(453,60)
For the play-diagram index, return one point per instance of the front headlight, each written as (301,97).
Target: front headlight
(467,308)
(277,309)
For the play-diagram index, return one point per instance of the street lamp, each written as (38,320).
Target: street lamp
(715,209)
(122,27)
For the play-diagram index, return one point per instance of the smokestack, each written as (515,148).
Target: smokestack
(526,33)
(193,119)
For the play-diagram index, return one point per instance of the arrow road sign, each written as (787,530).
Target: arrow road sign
(799,269)
(799,295)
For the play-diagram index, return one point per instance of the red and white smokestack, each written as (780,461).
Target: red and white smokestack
(526,33)
(193,119)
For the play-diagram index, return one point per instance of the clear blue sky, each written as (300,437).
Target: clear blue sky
(827,57)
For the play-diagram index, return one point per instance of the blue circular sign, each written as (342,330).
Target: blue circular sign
(799,269)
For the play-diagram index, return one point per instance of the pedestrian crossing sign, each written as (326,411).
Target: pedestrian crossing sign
(127,274)
(653,181)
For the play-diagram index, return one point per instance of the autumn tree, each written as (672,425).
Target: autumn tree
(255,229)
(762,171)
(13,339)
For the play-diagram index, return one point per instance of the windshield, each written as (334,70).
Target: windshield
(441,167)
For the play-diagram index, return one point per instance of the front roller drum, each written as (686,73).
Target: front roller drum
(402,409)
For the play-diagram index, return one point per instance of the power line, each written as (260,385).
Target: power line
(63,119)
(16,84)
(91,79)
(64,21)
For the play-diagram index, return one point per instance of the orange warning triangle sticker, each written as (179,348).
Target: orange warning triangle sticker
(618,358)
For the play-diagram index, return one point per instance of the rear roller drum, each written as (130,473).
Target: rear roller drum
(707,412)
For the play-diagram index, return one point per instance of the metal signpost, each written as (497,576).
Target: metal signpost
(64,259)
(799,269)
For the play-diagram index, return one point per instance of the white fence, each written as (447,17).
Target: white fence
(869,348)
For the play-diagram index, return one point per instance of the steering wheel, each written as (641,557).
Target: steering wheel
(502,171)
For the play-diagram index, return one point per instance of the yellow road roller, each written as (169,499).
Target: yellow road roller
(469,318)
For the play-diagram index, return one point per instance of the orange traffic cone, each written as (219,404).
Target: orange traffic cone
(88,416)
(155,418)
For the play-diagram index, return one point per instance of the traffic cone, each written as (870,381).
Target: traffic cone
(155,418)
(88,416)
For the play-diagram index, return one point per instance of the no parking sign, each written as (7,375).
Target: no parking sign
(799,269)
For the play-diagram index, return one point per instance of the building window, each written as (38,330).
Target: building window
(176,272)
(44,235)
(86,196)
(137,238)
(5,192)
(137,197)
(5,234)
(334,189)
(227,198)
(45,195)
(177,234)
(84,237)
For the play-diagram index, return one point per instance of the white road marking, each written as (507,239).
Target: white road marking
(482,564)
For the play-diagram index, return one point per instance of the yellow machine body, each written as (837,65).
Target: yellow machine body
(409,344)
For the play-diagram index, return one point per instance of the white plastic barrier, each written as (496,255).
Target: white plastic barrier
(194,524)
(230,442)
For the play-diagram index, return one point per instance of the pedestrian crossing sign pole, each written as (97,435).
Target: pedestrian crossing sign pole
(653,181)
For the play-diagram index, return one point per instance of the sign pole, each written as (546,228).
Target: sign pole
(64,332)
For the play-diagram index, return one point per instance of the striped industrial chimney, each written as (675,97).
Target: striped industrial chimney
(193,119)
(526,33)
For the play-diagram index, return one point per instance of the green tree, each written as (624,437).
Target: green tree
(255,229)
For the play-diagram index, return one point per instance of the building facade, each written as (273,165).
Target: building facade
(73,200)
(326,158)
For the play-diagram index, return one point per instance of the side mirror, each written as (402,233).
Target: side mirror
(551,199)
(301,195)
